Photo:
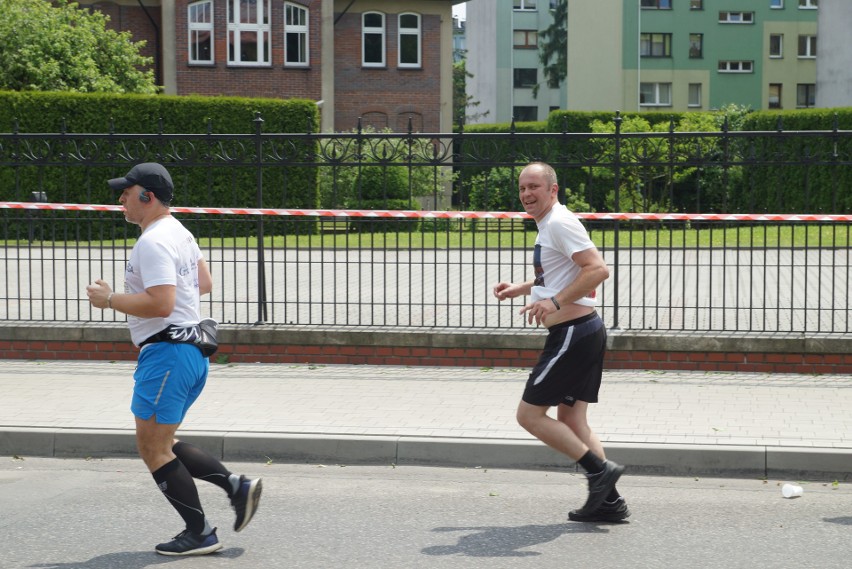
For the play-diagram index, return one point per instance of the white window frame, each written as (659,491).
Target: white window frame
(196,28)
(525,5)
(808,4)
(780,53)
(656,95)
(299,30)
(409,32)
(260,28)
(697,87)
(744,66)
(776,4)
(736,17)
(810,46)
(373,30)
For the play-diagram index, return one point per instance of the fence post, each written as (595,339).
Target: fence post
(617,172)
(261,261)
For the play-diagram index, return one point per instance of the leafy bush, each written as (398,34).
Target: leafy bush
(213,161)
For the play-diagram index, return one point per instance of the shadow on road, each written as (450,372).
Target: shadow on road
(131,560)
(505,541)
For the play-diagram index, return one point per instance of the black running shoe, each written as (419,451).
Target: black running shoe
(607,512)
(188,543)
(601,484)
(245,501)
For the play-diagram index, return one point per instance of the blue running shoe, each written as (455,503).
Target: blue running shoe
(245,501)
(188,543)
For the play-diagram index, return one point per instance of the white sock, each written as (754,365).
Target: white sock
(235,483)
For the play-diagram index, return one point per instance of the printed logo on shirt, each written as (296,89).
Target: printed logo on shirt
(537,268)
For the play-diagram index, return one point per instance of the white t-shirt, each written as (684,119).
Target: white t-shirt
(165,254)
(560,235)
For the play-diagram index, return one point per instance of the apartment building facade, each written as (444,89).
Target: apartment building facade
(834,64)
(645,55)
(502,38)
(704,54)
(387,63)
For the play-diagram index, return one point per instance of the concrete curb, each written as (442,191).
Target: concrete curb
(758,461)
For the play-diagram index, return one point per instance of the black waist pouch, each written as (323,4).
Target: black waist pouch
(202,336)
(207,341)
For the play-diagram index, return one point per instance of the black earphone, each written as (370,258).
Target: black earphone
(144,197)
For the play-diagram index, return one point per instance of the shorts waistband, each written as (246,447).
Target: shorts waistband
(161,336)
(591,316)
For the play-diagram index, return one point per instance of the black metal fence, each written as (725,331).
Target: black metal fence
(720,263)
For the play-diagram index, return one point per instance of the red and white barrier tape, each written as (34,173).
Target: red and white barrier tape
(416,214)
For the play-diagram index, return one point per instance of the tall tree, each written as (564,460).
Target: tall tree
(553,48)
(463,104)
(56,46)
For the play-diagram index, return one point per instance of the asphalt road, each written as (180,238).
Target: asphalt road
(97,514)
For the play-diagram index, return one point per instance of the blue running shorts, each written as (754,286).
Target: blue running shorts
(169,378)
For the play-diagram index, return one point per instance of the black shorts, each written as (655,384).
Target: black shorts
(571,365)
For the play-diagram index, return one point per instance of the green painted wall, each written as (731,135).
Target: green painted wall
(721,42)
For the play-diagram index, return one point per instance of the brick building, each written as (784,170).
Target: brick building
(388,62)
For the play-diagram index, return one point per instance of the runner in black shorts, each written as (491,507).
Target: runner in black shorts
(568,269)
(570,366)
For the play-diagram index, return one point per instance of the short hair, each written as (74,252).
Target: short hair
(549,172)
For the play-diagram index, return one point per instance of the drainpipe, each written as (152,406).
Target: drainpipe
(158,75)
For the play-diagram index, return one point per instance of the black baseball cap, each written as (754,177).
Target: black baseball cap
(151,176)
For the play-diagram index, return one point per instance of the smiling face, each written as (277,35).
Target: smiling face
(537,189)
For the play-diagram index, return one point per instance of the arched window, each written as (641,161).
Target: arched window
(295,35)
(409,40)
(373,39)
(200,19)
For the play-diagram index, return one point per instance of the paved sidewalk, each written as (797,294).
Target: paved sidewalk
(663,422)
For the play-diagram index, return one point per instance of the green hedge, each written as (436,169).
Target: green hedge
(196,185)
(205,172)
(563,153)
(794,174)
(818,184)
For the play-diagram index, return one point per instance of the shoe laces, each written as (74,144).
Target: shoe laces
(182,534)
